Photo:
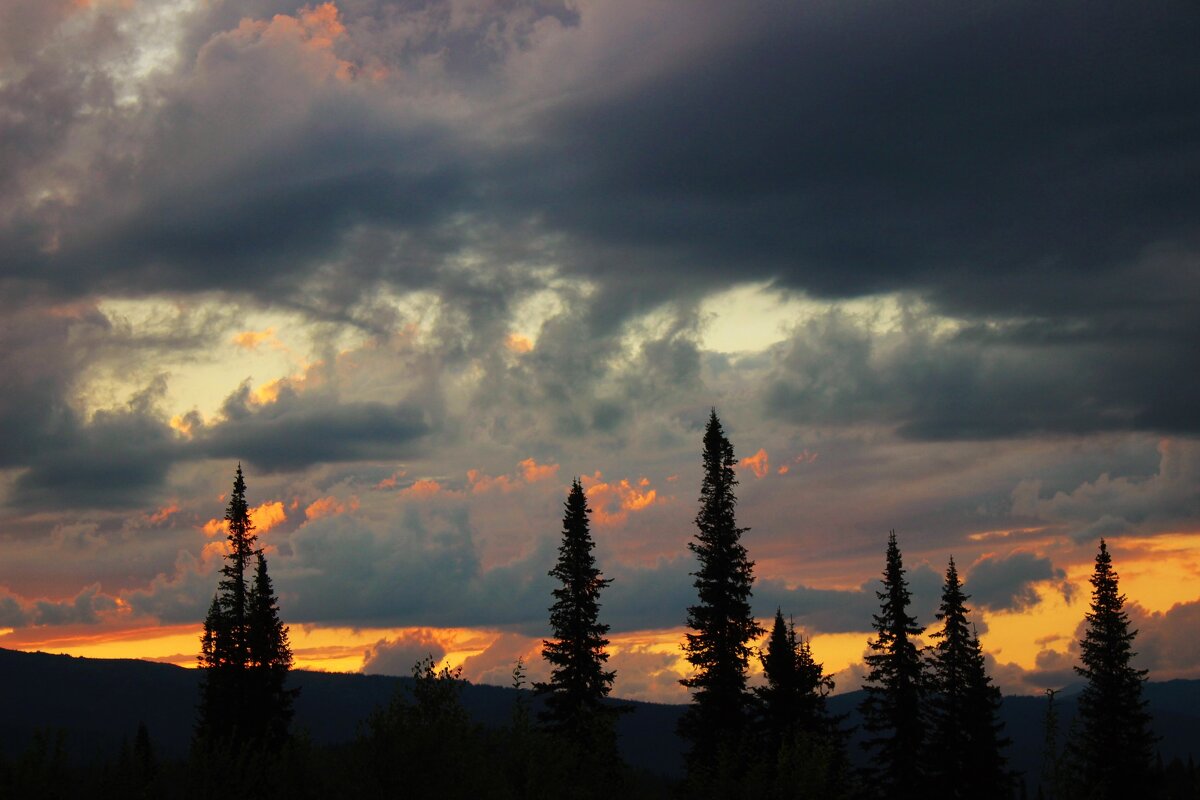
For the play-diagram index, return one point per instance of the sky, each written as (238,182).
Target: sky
(417,265)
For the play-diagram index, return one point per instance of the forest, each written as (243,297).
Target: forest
(929,714)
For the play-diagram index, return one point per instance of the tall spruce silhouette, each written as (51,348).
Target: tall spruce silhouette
(1112,755)
(578,684)
(895,687)
(244,651)
(723,625)
(965,759)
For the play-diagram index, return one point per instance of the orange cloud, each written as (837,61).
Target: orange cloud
(612,502)
(517,343)
(322,24)
(533,471)
(328,507)
(390,481)
(267,516)
(481,482)
(424,487)
(184,424)
(314,28)
(759,463)
(264,517)
(267,393)
(784,469)
(163,513)
(250,340)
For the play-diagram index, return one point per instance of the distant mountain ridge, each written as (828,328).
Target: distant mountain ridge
(99,703)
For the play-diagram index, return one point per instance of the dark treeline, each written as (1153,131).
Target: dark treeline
(929,714)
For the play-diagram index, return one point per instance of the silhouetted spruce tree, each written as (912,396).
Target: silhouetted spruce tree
(896,690)
(244,651)
(793,699)
(1112,755)
(578,684)
(224,647)
(269,658)
(722,621)
(965,759)
(1048,776)
(801,749)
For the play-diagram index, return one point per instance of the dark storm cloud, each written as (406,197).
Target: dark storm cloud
(1004,583)
(296,431)
(118,460)
(1030,174)
(972,384)
(1008,161)
(847,149)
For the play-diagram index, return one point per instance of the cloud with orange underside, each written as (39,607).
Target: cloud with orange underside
(806,457)
(530,472)
(264,517)
(314,29)
(424,488)
(390,481)
(163,514)
(328,507)
(613,502)
(516,343)
(250,340)
(759,463)
(481,482)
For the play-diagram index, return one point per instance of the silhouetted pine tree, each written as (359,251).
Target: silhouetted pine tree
(269,657)
(1112,755)
(724,626)
(965,760)
(578,682)
(896,690)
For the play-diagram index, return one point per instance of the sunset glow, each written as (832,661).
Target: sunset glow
(417,267)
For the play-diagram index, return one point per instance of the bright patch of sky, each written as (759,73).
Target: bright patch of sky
(751,317)
(260,346)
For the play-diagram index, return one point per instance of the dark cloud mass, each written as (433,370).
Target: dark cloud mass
(1004,583)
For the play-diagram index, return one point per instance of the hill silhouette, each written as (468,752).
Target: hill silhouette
(98,703)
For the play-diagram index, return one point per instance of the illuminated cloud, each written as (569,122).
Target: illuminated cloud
(534,472)
(390,481)
(326,506)
(612,503)
(759,463)
(423,488)
(264,517)
(250,340)
(518,343)
(164,513)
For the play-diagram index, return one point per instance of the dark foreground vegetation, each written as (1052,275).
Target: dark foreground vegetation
(927,724)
